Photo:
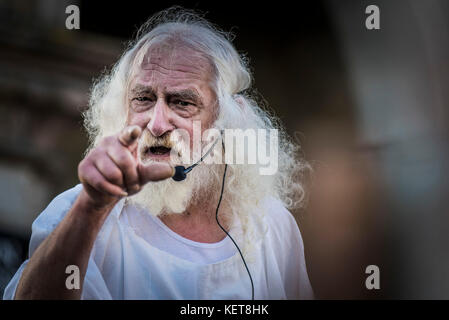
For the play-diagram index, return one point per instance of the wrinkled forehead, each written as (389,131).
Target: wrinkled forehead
(171,57)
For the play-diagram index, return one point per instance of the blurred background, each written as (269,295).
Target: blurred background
(370,108)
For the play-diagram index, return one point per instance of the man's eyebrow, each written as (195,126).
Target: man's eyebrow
(186,94)
(141,89)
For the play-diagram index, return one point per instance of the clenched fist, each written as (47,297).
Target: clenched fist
(112,170)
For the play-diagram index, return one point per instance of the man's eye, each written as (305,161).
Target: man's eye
(141,99)
(182,103)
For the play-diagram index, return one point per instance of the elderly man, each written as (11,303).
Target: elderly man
(129,231)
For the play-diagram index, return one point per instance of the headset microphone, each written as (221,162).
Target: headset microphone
(181,171)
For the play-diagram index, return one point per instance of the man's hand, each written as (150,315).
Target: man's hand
(112,170)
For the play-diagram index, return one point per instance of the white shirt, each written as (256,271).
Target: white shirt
(158,235)
(135,256)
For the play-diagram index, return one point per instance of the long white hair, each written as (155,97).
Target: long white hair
(245,187)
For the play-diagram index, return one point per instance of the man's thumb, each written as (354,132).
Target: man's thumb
(155,171)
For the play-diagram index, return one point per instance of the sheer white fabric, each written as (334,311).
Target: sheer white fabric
(135,256)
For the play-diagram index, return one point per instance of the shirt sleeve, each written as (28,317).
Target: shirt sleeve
(296,269)
(44,224)
(289,247)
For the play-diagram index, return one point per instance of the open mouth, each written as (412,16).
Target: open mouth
(159,150)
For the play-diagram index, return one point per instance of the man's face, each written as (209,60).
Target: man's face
(171,90)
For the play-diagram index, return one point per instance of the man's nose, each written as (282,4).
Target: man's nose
(160,120)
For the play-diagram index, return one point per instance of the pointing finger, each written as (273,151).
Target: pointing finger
(129,135)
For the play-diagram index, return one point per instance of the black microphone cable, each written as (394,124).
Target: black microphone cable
(218,222)
(181,174)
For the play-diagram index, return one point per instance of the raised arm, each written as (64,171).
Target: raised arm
(109,172)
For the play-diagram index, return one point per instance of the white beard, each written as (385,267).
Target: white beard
(169,196)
